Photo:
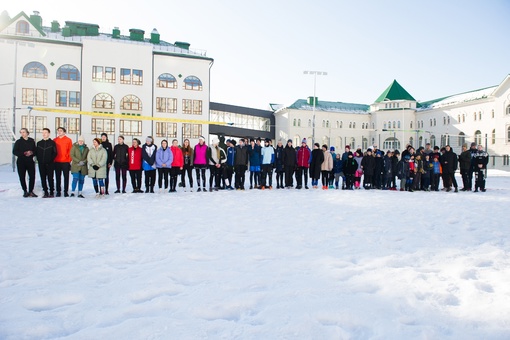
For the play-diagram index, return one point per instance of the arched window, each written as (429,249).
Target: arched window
(350,125)
(433,140)
(462,138)
(411,124)
(167,80)
(391,144)
(394,124)
(22,27)
(297,140)
(434,121)
(192,83)
(384,125)
(323,123)
(508,110)
(398,124)
(103,101)
(411,141)
(354,125)
(474,116)
(430,121)
(325,140)
(479,115)
(364,143)
(327,123)
(294,122)
(68,72)
(478,137)
(341,124)
(492,113)
(444,120)
(458,118)
(420,141)
(494,136)
(35,69)
(131,102)
(337,124)
(353,143)
(299,122)
(508,134)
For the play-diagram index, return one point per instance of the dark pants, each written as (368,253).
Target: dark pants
(466,180)
(349,181)
(228,172)
(479,179)
(107,179)
(187,169)
(150,179)
(417,181)
(136,179)
(325,178)
(267,171)
(200,170)
(214,176)
(279,178)
(23,169)
(120,172)
(434,183)
(174,174)
(367,181)
(449,180)
(62,169)
(289,171)
(46,173)
(240,176)
(163,177)
(300,172)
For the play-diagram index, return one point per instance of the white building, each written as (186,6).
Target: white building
(396,119)
(91,82)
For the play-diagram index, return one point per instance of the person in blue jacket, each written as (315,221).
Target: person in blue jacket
(164,159)
(267,165)
(255,155)
(338,169)
(228,171)
(149,164)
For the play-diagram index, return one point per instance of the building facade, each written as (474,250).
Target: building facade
(91,82)
(396,119)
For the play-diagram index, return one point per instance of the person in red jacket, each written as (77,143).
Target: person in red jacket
(303,159)
(177,164)
(135,165)
(62,161)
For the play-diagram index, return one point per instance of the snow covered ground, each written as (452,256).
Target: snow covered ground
(280,264)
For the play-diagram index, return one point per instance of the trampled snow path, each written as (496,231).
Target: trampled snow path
(280,264)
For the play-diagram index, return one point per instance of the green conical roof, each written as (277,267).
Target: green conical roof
(395,92)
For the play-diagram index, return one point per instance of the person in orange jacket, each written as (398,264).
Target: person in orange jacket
(62,161)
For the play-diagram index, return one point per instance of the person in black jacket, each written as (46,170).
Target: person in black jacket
(368,167)
(278,157)
(240,164)
(465,167)
(289,163)
(109,152)
(449,163)
(24,149)
(46,152)
(349,168)
(120,159)
(481,159)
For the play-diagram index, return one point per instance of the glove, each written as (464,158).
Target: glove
(81,163)
(95,167)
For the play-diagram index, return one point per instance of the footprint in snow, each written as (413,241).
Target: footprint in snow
(44,303)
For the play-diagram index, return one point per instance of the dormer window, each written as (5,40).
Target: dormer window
(22,27)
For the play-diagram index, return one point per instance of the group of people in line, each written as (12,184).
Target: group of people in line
(228,161)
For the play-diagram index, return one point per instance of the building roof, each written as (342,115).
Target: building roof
(302,104)
(458,98)
(395,92)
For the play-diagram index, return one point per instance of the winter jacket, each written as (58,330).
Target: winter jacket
(481,160)
(316,163)
(449,162)
(200,154)
(338,165)
(255,153)
(164,156)
(358,160)
(241,155)
(135,158)
(403,169)
(427,168)
(379,165)
(267,155)
(394,163)
(327,163)
(109,151)
(350,166)
(178,161)
(97,157)
(64,145)
(25,150)
(278,156)
(304,157)
(149,157)
(465,160)
(436,168)
(120,156)
(368,165)
(289,157)
(216,155)
(418,166)
(231,153)
(79,153)
(187,154)
(388,166)
(46,151)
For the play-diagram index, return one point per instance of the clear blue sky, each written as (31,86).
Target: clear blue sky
(261,48)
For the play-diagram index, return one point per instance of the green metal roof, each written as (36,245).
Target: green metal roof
(459,98)
(302,104)
(395,92)
(22,14)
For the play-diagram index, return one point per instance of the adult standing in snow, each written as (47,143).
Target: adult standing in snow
(79,168)
(315,165)
(216,157)
(304,157)
(62,161)
(135,165)
(120,161)
(368,167)
(255,154)
(24,148)
(449,163)
(187,154)
(200,162)
(228,171)
(164,159)
(267,165)
(345,155)
(350,167)
(279,165)
(481,160)
(465,167)
(326,167)
(240,164)
(289,163)
(97,162)
(177,164)
(105,143)
(149,164)
(46,152)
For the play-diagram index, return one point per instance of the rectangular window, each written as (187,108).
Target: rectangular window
(28,96)
(191,130)
(41,97)
(130,127)
(164,129)
(125,76)
(61,99)
(100,125)
(74,99)
(160,104)
(37,123)
(72,125)
(137,77)
(197,107)
(166,105)
(187,106)
(97,73)
(109,74)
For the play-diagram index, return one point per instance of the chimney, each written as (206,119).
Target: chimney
(55,26)
(312,100)
(155,36)
(116,33)
(36,20)
(183,45)
(136,34)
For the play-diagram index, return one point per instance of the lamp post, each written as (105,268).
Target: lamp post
(315,74)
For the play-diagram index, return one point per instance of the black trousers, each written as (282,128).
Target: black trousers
(136,179)
(267,175)
(174,174)
(187,169)
(46,173)
(150,179)
(240,176)
(325,177)
(228,172)
(25,168)
(289,171)
(300,172)
(200,170)
(214,176)
(118,173)
(163,177)
(466,180)
(62,169)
